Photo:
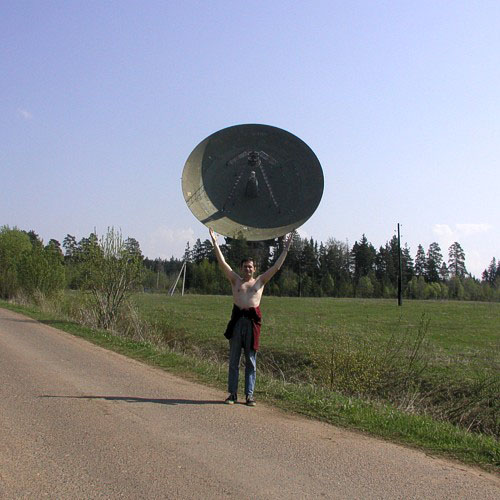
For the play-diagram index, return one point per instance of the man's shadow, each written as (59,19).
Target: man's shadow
(133,399)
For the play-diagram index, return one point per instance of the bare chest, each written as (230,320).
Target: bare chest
(246,288)
(247,293)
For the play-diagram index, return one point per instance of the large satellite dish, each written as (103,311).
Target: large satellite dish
(252,181)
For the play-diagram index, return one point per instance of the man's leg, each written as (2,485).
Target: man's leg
(234,360)
(250,360)
(250,372)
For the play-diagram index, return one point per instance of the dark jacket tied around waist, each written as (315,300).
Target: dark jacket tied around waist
(252,314)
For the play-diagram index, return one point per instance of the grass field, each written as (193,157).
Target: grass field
(464,333)
(320,357)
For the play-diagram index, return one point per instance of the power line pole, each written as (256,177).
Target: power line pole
(184,278)
(400,272)
(183,270)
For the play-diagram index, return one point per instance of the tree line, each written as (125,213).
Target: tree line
(312,268)
(335,269)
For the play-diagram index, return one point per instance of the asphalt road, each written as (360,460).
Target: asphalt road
(77,421)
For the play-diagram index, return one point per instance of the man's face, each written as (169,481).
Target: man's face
(247,269)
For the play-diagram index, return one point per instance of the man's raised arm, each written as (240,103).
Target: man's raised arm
(265,277)
(226,268)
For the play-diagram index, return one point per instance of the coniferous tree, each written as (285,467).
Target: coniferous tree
(337,264)
(54,247)
(456,261)
(133,248)
(393,249)
(387,264)
(70,246)
(433,262)
(188,253)
(87,245)
(197,252)
(490,273)
(420,262)
(381,263)
(36,241)
(444,273)
(363,258)
(309,259)
(207,251)
(408,268)
(293,260)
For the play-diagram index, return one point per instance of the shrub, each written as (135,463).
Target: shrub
(111,273)
(14,245)
(41,271)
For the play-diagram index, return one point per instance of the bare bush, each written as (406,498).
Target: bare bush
(111,273)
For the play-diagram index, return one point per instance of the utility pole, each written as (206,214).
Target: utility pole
(300,278)
(183,270)
(184,278)
(400,272)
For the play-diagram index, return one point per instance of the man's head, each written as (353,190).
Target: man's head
(247,267)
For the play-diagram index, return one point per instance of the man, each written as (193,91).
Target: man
(243,330)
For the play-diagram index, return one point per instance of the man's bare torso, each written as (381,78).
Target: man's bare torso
(247,291)
(247,294)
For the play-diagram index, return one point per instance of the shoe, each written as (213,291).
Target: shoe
(251,401)
(231,399)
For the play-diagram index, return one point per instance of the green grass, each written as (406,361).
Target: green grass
(469,331)
(460,334)
(455,325)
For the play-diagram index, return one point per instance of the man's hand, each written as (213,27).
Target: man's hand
(289,240)
(212,235)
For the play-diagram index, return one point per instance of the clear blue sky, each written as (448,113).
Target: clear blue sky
(102,102)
